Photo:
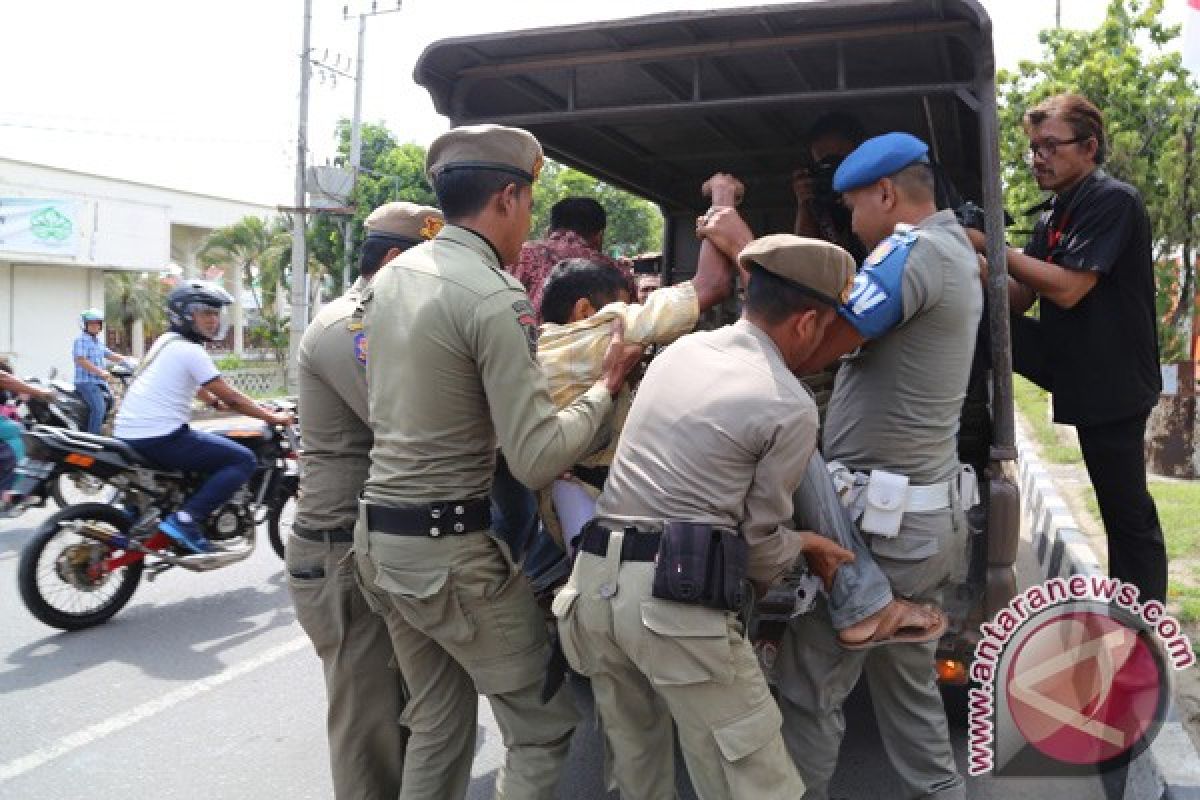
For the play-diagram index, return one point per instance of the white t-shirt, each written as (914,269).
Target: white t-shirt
(160,400)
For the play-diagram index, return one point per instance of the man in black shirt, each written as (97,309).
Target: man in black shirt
(1095,346)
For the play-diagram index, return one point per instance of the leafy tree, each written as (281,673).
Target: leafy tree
(391,171)
(388,171)
(1150,110)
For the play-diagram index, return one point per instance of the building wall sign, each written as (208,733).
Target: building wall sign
(40,226)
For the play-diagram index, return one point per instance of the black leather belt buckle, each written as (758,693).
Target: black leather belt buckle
(433,520)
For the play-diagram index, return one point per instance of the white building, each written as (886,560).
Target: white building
(61,230)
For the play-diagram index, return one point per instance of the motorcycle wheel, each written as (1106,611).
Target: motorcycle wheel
(52,572)
(75,487)
(280,518)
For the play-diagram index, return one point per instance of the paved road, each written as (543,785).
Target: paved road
(204,686)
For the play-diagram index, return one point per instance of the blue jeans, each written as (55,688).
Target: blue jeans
(228,465)
(860,588)
(96,396)
(514,511)
(8,464)
(515,521)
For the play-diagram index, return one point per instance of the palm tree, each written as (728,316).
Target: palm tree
(247,244)
(130,297)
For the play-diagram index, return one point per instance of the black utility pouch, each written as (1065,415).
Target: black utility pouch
(700,565)
(733,589)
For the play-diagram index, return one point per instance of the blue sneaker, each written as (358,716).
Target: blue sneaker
(185,533)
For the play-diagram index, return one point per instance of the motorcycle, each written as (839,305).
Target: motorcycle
(84,563)
(68,410)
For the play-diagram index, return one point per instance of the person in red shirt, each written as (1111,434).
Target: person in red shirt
(576,231)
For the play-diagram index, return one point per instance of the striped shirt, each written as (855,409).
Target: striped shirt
(572,355)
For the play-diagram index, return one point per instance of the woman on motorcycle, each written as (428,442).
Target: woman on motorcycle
(11,448)
(153,418)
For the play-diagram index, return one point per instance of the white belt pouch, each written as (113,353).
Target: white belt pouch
(887,500)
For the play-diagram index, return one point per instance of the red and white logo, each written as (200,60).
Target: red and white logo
(1084,688)
(1072,677)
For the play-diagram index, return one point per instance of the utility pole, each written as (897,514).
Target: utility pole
(356,130)
(299,320)
(1057,14)
(355,151)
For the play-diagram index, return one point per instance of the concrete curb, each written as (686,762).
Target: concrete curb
(1170,768)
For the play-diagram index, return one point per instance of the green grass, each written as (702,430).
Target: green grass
(1177,502)
(1032,403)
(1189,604)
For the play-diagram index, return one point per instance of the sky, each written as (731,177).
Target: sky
(203,95)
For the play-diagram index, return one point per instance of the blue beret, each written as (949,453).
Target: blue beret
(878,158)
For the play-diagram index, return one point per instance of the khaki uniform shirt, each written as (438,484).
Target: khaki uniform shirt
(898,400)
(453,370)
(331,370)
(720,432)
(572,355)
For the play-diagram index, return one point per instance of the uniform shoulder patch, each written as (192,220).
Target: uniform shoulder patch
(360,348)
(527,319)
(876,303)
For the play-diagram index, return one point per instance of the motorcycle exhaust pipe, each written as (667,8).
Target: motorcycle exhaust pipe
(193,562)
(205,562)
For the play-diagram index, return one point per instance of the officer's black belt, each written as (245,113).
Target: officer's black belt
(636,545)
(592,476)
(435,519)
(330,535)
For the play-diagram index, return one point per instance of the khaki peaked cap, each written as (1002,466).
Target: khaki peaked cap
(819,267)
(405,221)
(494,147)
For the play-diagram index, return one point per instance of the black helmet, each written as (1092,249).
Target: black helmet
(189,296)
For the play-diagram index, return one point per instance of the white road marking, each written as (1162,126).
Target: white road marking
(490,754)
(114,724)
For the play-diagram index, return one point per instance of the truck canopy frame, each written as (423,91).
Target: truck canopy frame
(656,104)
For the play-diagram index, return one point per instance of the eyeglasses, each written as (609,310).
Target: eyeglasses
(1048,147)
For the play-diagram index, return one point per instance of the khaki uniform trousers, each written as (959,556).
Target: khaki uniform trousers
(364,689)
(652,660)
(815,674)
(463,622)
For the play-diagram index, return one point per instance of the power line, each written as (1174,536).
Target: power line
(139,135)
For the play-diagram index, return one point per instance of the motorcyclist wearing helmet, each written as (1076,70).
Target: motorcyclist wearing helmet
(91,377)
(154,416)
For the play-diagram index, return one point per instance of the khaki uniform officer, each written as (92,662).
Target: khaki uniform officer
(719,433)
(366,694)
(451,371)
(909,331)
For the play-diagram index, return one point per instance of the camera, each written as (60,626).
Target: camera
(970,215)
(822,178)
